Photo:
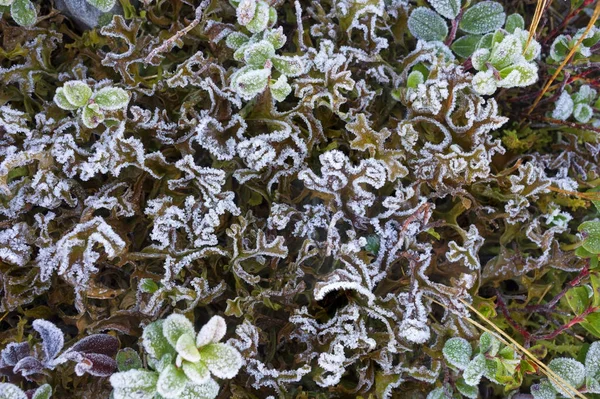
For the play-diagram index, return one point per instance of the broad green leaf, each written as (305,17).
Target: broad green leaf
(506,53)
(471,392)
(583,113)
(514,21)
(245,11)
(175,326)
(61,100)
(426,24)
(186,348)
(280,88)
(569,370)
(260,21)
(519,75)
(77,92)
(414,79)
(111,98)
(485,83)
(559,48)
(10,391)
(474,370)
(591,242)
(289,66)
(197,372)
(438,393)
(155,343)
(103,5)
(23,12)
(595,280)
(592,361)
(128,359)
(483,17)
(563,108)
(251,83)
(43,392)
(466,45)
(207,390)
(171,382)
(489,344)
(257,54)
(543,390)
(457,352)
(578,299)
(479,59)
(592,324)
(446,8)
(92,116)
(148,286)
(224,361)
(235,40)
(142,383)
(276,37)
(213,331)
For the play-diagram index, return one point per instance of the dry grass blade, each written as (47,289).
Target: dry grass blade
(537,17)
(589,27)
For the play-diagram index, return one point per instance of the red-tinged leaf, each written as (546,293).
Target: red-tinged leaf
(97,343)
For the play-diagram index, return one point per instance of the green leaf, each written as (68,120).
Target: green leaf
(103,5)
(543,390)
(197,372)
(591,230)
(569,370)
(261,18)
(471,392)
(592,361)
(23,12)
(592,324)
(43,392)
(175,326)
(483,17)
(514,21)
(206,390)
(280,88)
(446,8)
(485,83)
(111,98)
(438,393)
(148,286)
(10,391)
(224,361)
(474,370)
(595,280)
(235,40)
(258,54)
(171,382)
(457,352)
(559,48)
(414,79)
(128,359)
(92,116)
(583,113)
(186,348)
(519,75)
(139,384)
(249,84)
(61,100)
(155,343)
(426,24)
(466,45)
(489,344)
(578,299)
(289,66)
(276,37)
(506,53)
(77,92)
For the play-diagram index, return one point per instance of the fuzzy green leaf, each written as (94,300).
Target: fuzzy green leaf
(426,24)
(224,361)
(591,242)
(483,17)
(446,8)
(514,21)
(569,370)
(457,352)
(171,382)
(155,343)
(103,5)
(77,92)
(111,98)
(466,45)
(23,12)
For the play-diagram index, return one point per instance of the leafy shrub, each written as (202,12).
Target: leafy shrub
(305,199)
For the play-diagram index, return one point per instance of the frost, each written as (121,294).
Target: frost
(425,24)
(474,370)
(134,384)
(222,360)
(213,331)
(483,17)
(175,326)
(569,370)
(53,338)
(446,8)
(10,391)
(543,390)
(171,382)
(564,107)
(467,254)
(457,352)
(103,5)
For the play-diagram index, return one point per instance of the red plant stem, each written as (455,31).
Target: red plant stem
(565,21)
(507,316)
(455,23)
(580,126)
(576,320)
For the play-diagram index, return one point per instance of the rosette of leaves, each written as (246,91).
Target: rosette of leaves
(580,105)
(255,15)
(23,12)
(576,374)
(11,391)
(93,107)
(504,60)
(184,362)
(93,354)
(494,361)
(258,53)
(563,44)
(429,25)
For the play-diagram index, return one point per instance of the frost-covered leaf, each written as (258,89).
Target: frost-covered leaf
(249,84)
(260,20)
(15,351)
(563,108)
(224,361)
(94,364)
(583,113)
(61,100)
(43,392)
(92,116)
(485,83)
(489,344)
(280,89)
(103,5)
(457,352)
(97,343)
(289,66)
(569,370)
(592,367)
(128,359)
(77,92)
(186,348)
(591,242)
(245,11)
(155,343)
(474,370)
(23,12)
(438,393)
(446,8)
(543,390)
(207,390)
(171,382)
(53,338)
(276,37)
(176,325)
(213,331)
(10,391)
(134,384)
(470,391)
(235,40)
(519,75)
(414,79)
(197,372)
(111,98)
(466,45)
(257,54)
(514,21)
(483,17)
(426,24)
